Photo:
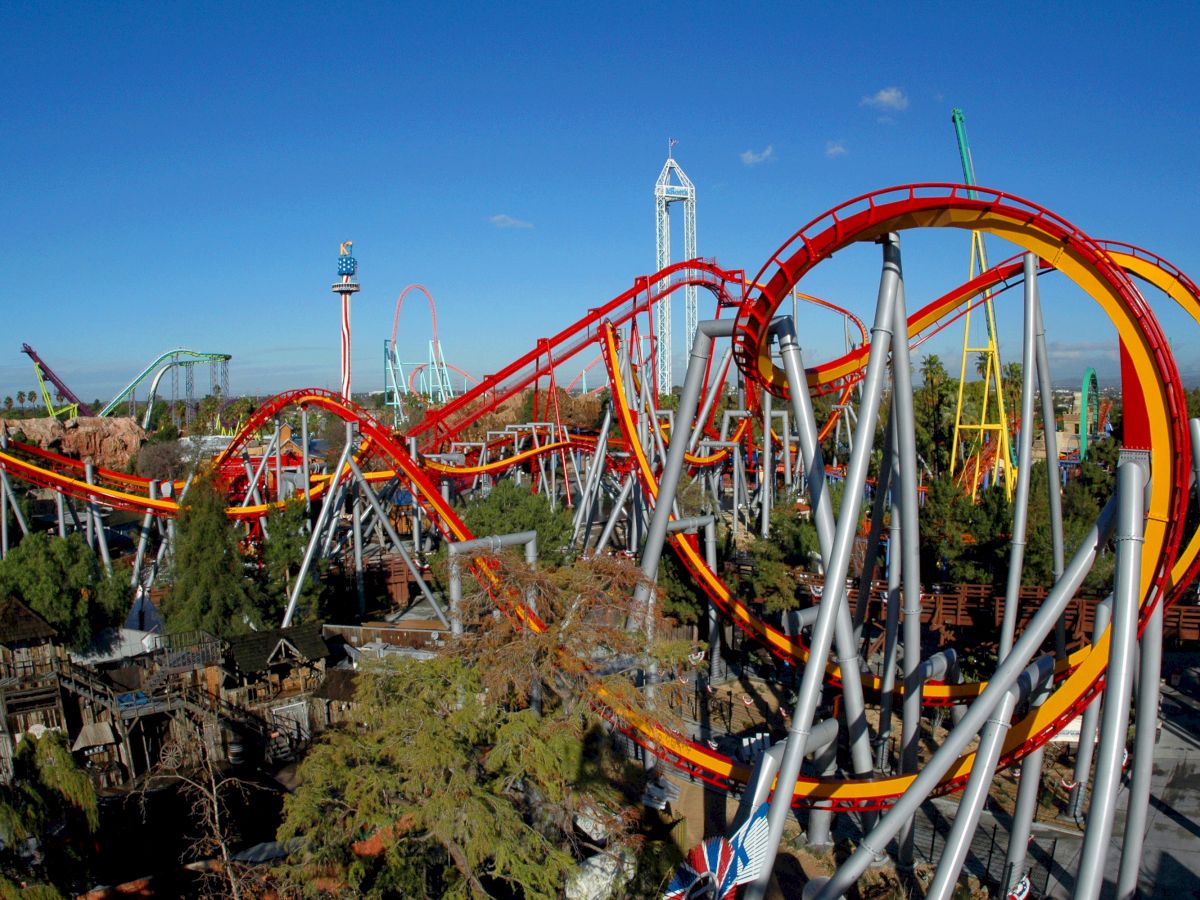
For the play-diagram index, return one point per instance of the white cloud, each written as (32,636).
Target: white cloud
(750,158)
(887,98)
(503,220)
(834,149)
(1100,354)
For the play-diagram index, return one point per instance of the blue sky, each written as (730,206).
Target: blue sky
(181,174)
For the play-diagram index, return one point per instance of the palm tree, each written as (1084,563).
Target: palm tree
(8,403)
(21,398)
(981,364)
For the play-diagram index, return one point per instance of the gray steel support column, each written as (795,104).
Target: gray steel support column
(910,569)
(1146,717)
(892,619)
(397,543)
(820,819)
(304,458)
(61,514)
(1025,809)
(142,538)
(959,737)
(1049,430)
(8,495)
(94,515)
(618,506)
(710,399)
(78,526)
(1090,719)
(716,662)
(278,463)
(585,509)
(766,470)
(89,522)
(878,508)
(315,539)
(862,759)
(740,495)
(591,502)
(1131,482)
(762,776)
(339,500)
(785,438)
(1016,556)
(15,504)
(1031,767)
(168,491)
(991,740)
(833,600)
(416,507)
(356,530)
(673,465)
(252,493)
(258,473)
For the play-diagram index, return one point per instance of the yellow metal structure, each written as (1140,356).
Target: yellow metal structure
(70,411)
(976,433)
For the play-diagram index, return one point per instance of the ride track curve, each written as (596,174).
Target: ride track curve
(1029,226)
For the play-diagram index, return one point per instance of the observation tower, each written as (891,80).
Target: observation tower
(347,268)
(665,193)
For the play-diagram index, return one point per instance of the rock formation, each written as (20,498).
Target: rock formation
(111,443)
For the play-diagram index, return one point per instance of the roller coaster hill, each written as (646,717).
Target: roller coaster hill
(861,661)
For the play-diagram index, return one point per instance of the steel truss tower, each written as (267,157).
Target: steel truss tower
(667,192)
(988,426)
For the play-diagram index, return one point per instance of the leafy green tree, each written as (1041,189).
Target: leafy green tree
(955,533)
(434,783)
(280,559)
(210,589)
(511,507)
(933,413)
(678,594)
(47,791)
(473,770)
(63,582)
(160,459)
(772,580)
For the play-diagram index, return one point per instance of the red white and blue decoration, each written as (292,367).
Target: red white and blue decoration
(714,868)
(1021,890)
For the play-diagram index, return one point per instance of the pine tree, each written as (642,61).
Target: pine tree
(280,559)
(210,589)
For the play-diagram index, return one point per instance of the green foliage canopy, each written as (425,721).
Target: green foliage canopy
(63,582)
(210,589)
(47,789)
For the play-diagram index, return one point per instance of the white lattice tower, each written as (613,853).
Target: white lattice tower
(666,192)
